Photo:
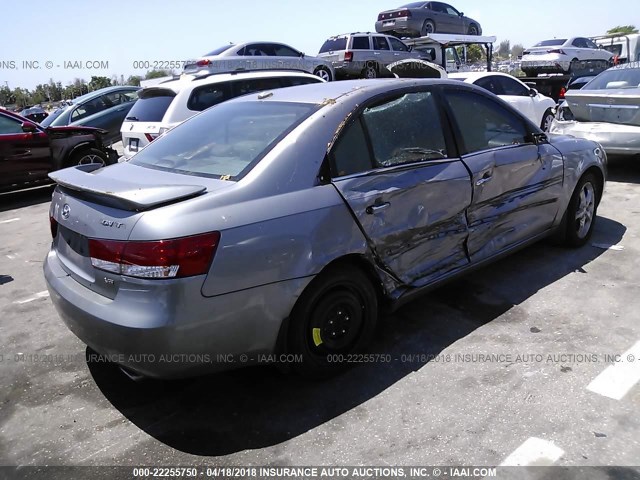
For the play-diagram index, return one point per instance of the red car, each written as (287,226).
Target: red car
(28,152)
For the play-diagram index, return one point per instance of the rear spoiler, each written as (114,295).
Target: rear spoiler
(120,193)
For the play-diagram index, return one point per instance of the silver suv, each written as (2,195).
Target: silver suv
(364,55)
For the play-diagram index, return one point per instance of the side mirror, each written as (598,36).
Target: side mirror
(301,54)
(461,14)
(28,127)
(533,92)
(409,48)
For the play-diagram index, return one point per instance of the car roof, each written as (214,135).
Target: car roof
(334,92)
(473,76)
(206,79)
(102,91)
(360,33)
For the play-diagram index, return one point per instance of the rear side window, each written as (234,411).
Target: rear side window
(224,142)
(360,43)
(334,44)
(380,43)
(208,95)
(218,51)
(484,124)
(150,109)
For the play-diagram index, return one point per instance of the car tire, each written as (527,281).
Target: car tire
(473,30)
(547,118)
(335,317)
(324,73)
(88,156)
(580,217)
(428,27)
(370,70)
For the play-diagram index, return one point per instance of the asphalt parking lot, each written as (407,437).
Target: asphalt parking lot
(498,367)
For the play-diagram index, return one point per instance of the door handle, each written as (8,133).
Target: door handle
(371,209)
(485,178)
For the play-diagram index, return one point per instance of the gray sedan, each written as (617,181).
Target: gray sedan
(419,19)
(284,222)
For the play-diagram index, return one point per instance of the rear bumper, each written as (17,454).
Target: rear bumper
(168,329)
(615,139)
(399,25)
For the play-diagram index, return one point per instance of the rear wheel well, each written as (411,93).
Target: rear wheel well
(353,260)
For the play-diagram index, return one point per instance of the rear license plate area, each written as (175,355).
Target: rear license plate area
(133,144)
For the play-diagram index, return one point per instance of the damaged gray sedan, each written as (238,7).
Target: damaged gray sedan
(606,110)
(285,222)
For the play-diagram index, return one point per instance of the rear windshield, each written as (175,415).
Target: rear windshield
(615,78)
(413,5)
(226,141)
(47,122)
(218,51)
(549,43)
(150,109)
(334,44)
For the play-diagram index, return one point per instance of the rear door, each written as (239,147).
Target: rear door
(382,53)
(24,156)
(516,183)
(405,185)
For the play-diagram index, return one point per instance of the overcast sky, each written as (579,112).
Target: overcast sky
(122,32)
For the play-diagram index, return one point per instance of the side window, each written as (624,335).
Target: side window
(590,43)
(489,83)
(360,43)
(284,51)
(512,87)
(257,50)
(380,43)
(397,45)
(89,108)
(450,10)
(244,87)
(483,123)
(580,43)
(406,129)
(9,126)
(351,154)
(208,95)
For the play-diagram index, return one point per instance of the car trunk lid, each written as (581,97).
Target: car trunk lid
(106,204)
(611,106)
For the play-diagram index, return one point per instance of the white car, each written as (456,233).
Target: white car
(161,107)
(536,107)
(562,55)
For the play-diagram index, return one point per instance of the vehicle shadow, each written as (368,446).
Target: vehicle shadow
(260,407)
(624,169)
(25,198)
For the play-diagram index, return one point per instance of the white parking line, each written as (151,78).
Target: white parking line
(10,220)
(616,380)
(534,452)
(33,297)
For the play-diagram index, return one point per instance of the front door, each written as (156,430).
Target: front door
(516,183)
(392,166)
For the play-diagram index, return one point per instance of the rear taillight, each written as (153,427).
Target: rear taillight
(175,258)
(53,223)
(380,16)
(203,63)
(151,136)
(563,90)
(404,13)
(348,56)
(557,50)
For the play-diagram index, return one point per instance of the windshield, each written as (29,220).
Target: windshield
(225,141)
(52,116)
(218,51)
(550,43)
(615,78)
